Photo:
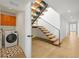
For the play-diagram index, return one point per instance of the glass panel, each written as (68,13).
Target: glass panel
(72,27)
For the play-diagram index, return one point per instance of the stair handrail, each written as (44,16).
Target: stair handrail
(52,26)
(40,13)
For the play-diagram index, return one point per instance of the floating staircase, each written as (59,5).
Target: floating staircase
(38,7)
(51,37)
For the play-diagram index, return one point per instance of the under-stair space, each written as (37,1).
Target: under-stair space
(51,38)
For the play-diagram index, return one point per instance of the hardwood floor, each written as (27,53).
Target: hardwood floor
(69,48)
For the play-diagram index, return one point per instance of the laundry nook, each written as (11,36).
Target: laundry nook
(13,25)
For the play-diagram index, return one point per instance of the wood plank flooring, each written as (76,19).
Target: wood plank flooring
(69,48)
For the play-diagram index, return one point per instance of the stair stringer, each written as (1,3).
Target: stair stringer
(52,39)
(38,33)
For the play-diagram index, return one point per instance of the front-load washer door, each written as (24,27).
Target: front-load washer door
(11,38)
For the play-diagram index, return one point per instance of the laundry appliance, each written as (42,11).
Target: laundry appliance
(10,38)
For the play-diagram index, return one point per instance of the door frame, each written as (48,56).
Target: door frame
(76,27)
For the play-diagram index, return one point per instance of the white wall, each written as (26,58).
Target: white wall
(28,40)
(23,26)
(78,29)
(64,28)
(52,17)
(67,28)
(38,33)
(20,28)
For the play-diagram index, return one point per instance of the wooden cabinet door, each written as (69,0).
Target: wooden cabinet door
(12,20)
(3,17)
(8,20)
(0,19)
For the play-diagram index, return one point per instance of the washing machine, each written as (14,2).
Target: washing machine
(10,38)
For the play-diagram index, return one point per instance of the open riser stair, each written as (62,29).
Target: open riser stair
(51,38)
(38,7)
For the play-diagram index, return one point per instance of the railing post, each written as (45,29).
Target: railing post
(59,38)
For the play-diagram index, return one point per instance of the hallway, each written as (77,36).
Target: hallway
(69,48)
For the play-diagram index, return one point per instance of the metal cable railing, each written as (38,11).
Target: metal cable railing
(53,29)
(39,13)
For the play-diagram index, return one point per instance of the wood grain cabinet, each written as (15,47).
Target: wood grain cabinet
(0,19)
(7,20)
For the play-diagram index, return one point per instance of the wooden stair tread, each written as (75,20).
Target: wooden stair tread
(56,42)
(53,39)
(34,26)
(44,29)
(40,26)
(51,36)
(33,36)
(47,34)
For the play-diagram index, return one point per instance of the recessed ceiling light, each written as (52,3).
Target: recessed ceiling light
(71,16)
(68,11)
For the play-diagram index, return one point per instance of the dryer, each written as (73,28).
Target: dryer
(10,38)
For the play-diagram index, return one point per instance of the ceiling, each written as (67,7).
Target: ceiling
(13,5)
(68,8)
(64,6)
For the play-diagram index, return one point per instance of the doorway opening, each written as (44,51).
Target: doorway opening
(73,31)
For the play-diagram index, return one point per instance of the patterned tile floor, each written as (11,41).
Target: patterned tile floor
(12,52)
